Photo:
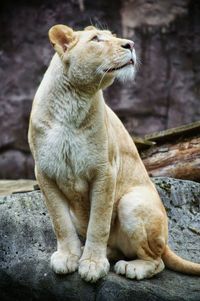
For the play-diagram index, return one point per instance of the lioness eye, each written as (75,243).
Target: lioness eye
(95,39)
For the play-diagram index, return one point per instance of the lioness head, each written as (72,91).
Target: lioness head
(92,56)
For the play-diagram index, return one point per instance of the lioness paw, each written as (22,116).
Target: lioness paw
(92,270)
(64,263)
(139,269)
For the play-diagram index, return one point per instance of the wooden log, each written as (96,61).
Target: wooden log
(177,159)
(16,186)
(182,131)
(141,143)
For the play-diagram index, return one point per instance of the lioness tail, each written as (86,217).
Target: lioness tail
(176,263)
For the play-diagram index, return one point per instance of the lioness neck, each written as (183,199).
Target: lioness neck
(64,102)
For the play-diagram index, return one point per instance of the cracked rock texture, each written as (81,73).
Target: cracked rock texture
(165,93)
(27,241)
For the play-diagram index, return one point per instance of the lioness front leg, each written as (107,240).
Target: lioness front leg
(93,263)
(65,259)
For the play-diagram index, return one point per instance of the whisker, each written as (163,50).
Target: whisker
(91,22)
(101,67)
(100,25)
(103,77)
(105,26)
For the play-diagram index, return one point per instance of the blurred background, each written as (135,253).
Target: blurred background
(165,93)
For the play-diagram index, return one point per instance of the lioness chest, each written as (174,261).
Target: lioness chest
(71,156)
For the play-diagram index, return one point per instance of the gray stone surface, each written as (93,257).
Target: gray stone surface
(165,93)
(27,241)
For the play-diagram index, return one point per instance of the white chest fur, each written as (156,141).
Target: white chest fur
(66,153)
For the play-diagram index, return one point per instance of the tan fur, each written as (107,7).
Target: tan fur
(88,167)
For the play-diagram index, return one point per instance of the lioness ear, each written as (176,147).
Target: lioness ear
(61,37)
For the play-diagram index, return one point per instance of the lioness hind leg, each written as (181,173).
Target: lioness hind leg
(139,268)
(143,223)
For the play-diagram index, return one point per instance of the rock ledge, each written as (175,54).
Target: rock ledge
(27,240)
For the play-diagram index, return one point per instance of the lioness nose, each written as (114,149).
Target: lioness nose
(128,45)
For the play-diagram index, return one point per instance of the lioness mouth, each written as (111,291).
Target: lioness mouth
(131,62)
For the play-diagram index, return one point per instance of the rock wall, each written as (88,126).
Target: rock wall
(165,93)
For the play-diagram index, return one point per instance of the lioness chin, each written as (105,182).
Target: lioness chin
(88,168)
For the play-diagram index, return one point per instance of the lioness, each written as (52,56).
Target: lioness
(88,167)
